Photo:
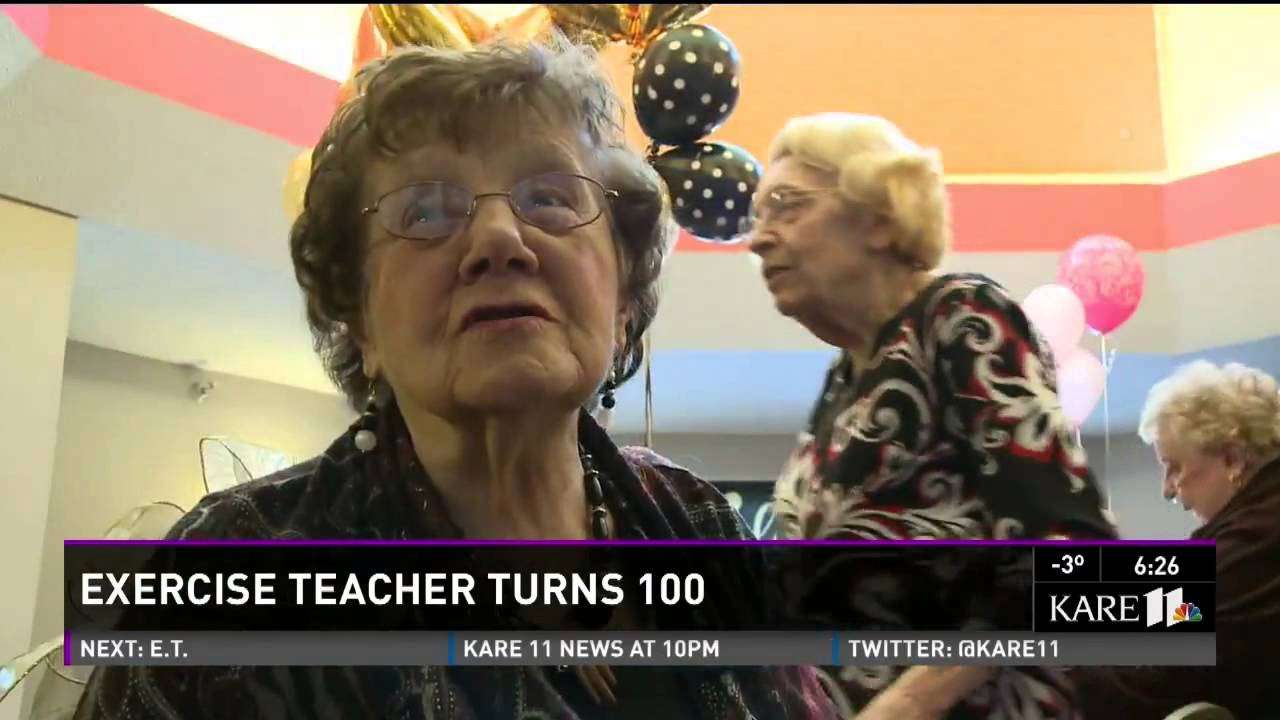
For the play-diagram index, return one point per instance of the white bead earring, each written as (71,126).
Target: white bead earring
(366,439)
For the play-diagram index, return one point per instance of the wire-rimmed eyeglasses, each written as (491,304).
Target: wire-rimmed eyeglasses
(435,211)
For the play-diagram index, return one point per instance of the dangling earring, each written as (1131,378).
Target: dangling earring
(604,416)
(366,439)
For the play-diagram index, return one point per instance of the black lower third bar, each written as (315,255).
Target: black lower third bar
(634,648)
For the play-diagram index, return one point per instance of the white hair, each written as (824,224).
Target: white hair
(877,166)
(1213,408)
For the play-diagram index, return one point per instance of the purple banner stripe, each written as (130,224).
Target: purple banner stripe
(639,543)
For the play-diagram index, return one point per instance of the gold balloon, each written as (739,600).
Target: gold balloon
(594,25)
(472,25)
(533,22)
(636,25)
(421,25)
(528,25)
(295,184)
(650,21)
(368,47)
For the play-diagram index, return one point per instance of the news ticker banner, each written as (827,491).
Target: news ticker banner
(555,649)
(220,595)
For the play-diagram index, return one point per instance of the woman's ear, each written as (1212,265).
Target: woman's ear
(370,358)
(1233,457)
(372,368)
(879,233)
(620,328)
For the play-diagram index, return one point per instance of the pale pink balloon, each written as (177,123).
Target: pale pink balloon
(1080,381)
(1059,316)
(1106,273)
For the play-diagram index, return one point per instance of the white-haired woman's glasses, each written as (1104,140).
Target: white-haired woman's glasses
(782,204)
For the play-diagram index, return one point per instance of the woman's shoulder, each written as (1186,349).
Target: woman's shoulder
(1250,517)
(953,289)
(956,304)
(708,509)
(317,498)
(655,468)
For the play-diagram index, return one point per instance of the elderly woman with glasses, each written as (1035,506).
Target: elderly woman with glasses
(479,254)
(939,420)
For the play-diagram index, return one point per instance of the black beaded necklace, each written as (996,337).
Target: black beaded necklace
(600,526)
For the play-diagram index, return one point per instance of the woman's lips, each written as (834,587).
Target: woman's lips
(505,315)
(522,322)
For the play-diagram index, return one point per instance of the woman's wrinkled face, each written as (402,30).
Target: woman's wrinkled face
(500,316)
(815,249)
(1200,481)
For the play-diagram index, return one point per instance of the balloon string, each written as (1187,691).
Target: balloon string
(648,390)
(1107,358)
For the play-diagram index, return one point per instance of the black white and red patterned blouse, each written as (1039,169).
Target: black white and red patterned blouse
(953,430)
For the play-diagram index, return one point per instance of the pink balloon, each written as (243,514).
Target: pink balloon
(1080,381)
(1106,274)
(1059,316)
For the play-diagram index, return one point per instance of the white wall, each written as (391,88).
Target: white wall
(129,433)
(1131,471)
(720,458)
(37,269)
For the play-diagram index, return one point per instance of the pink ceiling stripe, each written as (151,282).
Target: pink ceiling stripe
(158,54)
(31,20)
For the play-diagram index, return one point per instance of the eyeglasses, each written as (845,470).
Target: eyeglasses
(784,205)
(435,211)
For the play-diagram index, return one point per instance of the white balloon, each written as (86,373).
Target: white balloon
(1058,315)
(1081,378)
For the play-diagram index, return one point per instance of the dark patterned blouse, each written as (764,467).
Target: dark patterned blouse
(347,494)
(952,431)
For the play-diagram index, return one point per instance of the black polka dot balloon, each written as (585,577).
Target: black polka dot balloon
(686,84)
(711,185)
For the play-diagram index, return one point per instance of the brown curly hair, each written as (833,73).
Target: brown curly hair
(422,94)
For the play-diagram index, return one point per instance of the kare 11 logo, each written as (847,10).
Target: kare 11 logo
(1161,607)
(1169,608)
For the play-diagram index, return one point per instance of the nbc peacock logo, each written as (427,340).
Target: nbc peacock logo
(1186,612)
(1167,608)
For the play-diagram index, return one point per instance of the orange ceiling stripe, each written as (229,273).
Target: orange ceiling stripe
(1153,218)
(1030,218)
(1037,218)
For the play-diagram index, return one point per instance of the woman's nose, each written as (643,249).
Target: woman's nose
(1170,488)
(495,241)
(761,242)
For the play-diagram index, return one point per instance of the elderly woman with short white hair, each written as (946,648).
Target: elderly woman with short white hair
(940,420)
(1216,434)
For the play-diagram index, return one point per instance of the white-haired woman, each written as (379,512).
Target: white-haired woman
(1216,433)
(940,419)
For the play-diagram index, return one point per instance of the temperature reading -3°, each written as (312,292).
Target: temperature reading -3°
(1076,564)
(1068,563)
